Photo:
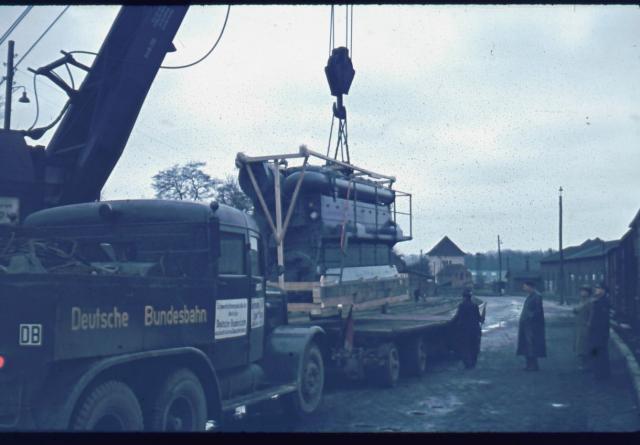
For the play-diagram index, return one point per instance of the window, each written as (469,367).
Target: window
(254,256)
(231,260)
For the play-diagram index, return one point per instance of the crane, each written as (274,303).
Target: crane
(95,123)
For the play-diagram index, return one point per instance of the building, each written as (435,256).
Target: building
(443,254)
(623,276)
(454,276)
(516,279)
(585,264)
(486,277)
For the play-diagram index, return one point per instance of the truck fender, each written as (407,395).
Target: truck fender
(285,348)
(72,379)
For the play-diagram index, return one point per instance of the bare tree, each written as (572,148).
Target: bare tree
(229,192)
(185,182)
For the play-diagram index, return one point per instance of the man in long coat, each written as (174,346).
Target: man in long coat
(583,314)
(467,323)
(531,338)
(598,327)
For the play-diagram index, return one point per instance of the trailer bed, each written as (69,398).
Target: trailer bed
(399,319)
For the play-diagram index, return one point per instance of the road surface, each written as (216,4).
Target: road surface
(497,396)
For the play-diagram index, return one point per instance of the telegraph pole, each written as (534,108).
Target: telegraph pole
(9,87)
(561,274)
(499,267)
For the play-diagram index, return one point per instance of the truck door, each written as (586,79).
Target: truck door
(231,328)
(256,334)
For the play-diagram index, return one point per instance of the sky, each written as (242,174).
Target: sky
(481,112)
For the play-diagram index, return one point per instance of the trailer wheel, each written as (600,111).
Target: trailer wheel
(110,406)
(414,357)
(180,404)
(388,373)
(306,399)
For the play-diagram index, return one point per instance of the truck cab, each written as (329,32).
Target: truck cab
(160,303)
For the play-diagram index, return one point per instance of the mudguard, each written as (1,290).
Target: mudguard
(71,380)
(285,350)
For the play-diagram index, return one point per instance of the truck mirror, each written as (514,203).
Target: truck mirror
(109,250)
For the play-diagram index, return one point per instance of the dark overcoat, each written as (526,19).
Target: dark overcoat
(599,323)
(583,314)
(466,323)
(531,337)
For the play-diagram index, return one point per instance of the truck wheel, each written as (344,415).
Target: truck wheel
(110,406)
(306,399)
(414,357)
(180,404)
(388,373)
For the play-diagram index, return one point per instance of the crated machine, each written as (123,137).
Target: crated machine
(333,226)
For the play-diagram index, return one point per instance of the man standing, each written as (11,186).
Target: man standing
(583,313)
(531,338)
(598,328)
(466,323)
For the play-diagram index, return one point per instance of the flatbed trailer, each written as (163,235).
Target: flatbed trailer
(378,344)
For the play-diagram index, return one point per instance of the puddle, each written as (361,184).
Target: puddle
(559,405)
(439,406)
(417,413)
(389,429)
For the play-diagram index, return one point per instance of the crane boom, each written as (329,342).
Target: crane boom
(95,129)
(99,118)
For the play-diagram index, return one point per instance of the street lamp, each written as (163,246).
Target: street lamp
(24,99)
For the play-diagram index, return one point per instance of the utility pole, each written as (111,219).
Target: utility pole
(499,267)
(9,87)
(561,274)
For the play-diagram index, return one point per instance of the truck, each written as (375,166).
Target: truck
(145,315)
(167,316)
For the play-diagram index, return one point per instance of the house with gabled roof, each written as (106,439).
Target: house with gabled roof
(445,253)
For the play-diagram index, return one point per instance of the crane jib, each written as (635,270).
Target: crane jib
(94,131)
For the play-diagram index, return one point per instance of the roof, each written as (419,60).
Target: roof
(145,211)
(446,247)
(591,248)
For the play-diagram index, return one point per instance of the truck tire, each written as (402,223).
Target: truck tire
(388,373)
(306,399)
(414,356)
(110,406)
(180,404)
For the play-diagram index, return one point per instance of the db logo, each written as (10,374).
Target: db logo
(30,335)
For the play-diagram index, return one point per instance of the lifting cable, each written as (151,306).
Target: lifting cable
(340,73)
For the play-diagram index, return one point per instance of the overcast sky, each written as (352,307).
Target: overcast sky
(481,112)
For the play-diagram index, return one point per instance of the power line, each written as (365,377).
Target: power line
(15,24)
(224,25)
(39,38)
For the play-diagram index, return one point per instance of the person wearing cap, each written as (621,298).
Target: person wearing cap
(583,313)
(531,336)
(598,332)
(468,334)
